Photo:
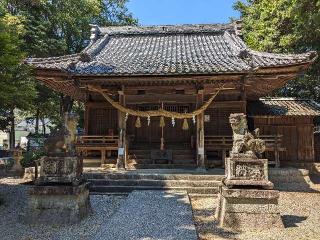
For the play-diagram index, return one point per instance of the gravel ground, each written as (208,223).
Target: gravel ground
(14,197)
(300,213)
(151,215)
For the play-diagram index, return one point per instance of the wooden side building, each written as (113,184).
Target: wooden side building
(178,69)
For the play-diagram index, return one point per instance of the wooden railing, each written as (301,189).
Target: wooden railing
(107,140)
(224,144)
(105,144)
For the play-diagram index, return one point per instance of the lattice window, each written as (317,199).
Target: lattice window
(171,108)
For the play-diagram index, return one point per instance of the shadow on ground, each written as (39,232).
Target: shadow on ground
(292,220)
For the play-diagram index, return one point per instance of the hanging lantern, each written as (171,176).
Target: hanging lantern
(126,117)
(194,119)
(162,123)
(148,119)
(138,123)
(185,125)
(173,121)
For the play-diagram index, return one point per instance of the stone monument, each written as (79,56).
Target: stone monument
(247,198)
(17,157)
(59,196)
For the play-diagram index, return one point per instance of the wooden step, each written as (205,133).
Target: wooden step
(183,156)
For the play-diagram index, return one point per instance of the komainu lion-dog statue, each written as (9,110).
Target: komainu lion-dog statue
(245,144)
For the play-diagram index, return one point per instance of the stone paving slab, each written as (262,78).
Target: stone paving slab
(151,215)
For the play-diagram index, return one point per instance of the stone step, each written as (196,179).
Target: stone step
(150,182)
(123,189)
(162,166)
(110,193)
(156,176)
(146,161)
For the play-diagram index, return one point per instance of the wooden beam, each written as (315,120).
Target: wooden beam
(122,154)
(86,119)
(200,132)
(156,98)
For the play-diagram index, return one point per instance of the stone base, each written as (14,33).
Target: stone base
(57,204)
(240,209)
(59,170)
(252,172)
(265,184)
(15,172)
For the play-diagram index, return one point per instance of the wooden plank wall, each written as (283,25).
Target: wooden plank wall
(298,138)
(219,113)
(101,118)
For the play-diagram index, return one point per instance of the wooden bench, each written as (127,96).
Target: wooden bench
(224,144)
(104,144)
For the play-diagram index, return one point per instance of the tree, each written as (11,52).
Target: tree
(285,26)
(60,27)
(16,85)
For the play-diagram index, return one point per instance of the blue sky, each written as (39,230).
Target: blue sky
(153,12)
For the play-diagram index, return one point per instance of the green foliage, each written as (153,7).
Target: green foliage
(59,27)
(46,28)
(30,157)
(285,26)
(16,85)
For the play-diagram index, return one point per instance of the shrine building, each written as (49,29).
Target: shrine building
(161,96)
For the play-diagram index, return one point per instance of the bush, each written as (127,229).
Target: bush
(29,158)
(9,163)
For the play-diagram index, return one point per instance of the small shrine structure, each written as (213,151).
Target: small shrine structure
(162,95)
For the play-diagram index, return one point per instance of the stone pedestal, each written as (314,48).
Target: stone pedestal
(60,170)
(57,204)
(248,208)
(242,171)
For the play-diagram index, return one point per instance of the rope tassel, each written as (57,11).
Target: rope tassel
(185,125)
(162,123)
(138,123)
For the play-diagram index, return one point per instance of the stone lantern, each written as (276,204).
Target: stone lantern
(17,156)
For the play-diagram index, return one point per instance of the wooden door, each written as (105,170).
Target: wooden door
(172,134)
(101,120)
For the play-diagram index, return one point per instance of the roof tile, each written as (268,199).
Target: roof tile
(283,107)
(167,50)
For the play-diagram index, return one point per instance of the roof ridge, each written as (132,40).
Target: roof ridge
(165,29)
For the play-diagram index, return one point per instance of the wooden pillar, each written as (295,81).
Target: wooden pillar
(200,133)
(86,119)
(103,156)
(122,150)
(244,94)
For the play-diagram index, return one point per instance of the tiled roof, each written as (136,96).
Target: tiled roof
(283,107)
(167,50)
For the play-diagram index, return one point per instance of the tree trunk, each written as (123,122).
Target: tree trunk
(43,126)
(66,104)
(36,128)
(12,130)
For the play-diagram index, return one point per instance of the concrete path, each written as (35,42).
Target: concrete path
(151,215)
